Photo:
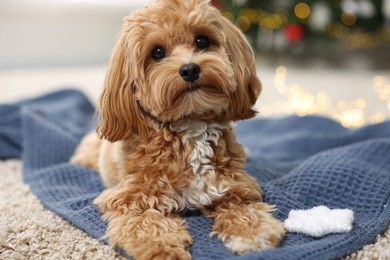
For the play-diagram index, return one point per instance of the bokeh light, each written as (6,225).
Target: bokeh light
(302,10)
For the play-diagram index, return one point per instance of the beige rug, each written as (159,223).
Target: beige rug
(29,231)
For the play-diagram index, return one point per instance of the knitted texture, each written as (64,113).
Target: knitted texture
(300,162)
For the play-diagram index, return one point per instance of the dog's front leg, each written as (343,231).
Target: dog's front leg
(143,232)
(242,221)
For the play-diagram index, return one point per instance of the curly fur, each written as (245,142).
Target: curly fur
(166,145)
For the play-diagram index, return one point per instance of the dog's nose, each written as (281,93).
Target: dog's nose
(190,72)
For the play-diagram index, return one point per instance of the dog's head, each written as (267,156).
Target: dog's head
(177,59)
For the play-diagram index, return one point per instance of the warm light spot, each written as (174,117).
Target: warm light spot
(243,23)
(352,118)
(279,20)
(228,16)
(302,10)
(341,105)
(360,103)
(279,80)
(282,88)
(386,89)
(322,97)
(250,13)
(348,18)
(295,99)
(377,118)
(281,70)
(378,80)
(378,88)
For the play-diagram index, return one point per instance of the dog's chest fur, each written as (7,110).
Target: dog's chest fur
(204,186)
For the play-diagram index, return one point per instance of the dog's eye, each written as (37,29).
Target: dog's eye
(202,42)
(158,53)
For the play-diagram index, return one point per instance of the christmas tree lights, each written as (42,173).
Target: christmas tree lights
(359,24)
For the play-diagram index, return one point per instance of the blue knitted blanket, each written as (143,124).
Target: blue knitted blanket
(300,162)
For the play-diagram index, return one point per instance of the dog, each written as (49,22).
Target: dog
(179,75)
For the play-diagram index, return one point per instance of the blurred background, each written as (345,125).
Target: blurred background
(342,33)
(327,57)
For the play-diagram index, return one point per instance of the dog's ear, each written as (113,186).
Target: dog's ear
(248,84)
(119,115)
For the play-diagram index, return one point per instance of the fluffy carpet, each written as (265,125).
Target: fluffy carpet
(29,231)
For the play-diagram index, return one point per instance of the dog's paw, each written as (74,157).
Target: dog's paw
(249,228)
(266,238)
(162,252)
(151,235)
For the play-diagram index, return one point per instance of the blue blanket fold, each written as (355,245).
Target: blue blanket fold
(300,162)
